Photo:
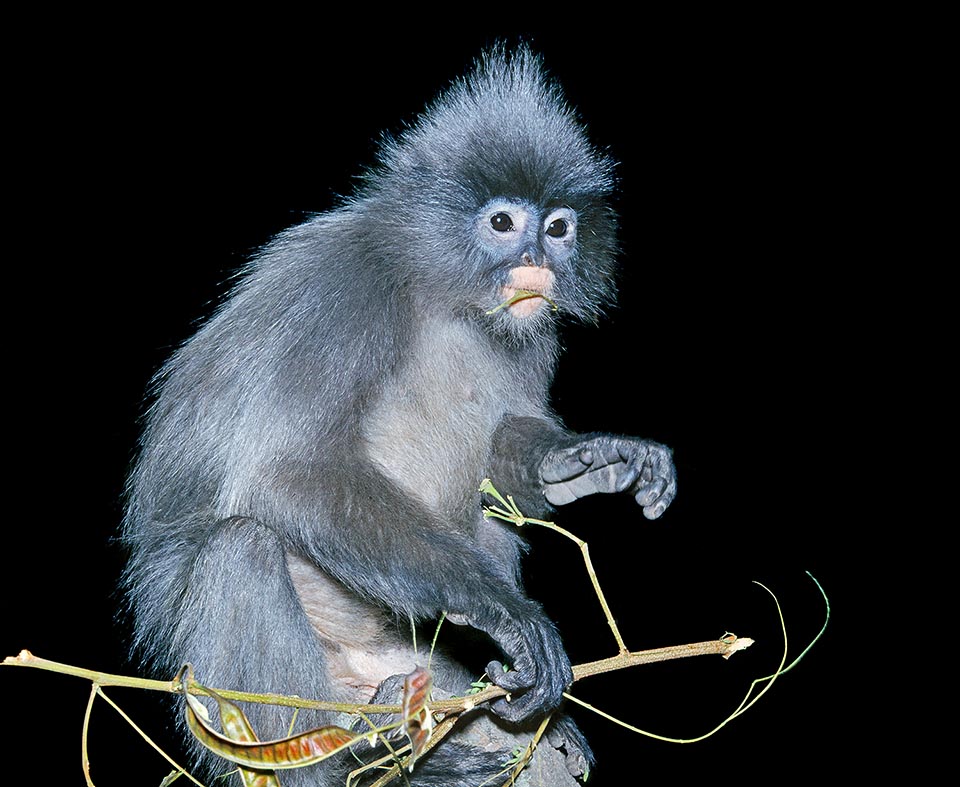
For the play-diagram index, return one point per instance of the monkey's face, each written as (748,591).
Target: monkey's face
(531,250)
(497,195)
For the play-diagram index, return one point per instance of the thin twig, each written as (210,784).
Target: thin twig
(511,513)
(146,737)
(84,735)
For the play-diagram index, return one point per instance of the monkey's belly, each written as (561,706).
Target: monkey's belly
(361,649)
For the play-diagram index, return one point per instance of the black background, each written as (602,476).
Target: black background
(149,165)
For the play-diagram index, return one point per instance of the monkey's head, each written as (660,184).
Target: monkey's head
(496,192)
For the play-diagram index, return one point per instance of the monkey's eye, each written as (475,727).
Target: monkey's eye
(557,228)
(501,222)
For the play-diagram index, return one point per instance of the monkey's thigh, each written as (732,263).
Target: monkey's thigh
(245,628)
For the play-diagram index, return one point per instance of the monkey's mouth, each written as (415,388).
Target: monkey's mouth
(527,290)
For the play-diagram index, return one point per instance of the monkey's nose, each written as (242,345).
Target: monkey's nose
(527,258)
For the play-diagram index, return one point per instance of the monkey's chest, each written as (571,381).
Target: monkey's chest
(430,429)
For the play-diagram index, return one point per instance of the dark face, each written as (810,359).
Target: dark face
(528,248)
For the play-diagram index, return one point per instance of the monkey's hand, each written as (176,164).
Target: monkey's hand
(539,670)
(608,463)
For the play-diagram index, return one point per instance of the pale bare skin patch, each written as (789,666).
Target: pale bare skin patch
(533,279)
(361,651)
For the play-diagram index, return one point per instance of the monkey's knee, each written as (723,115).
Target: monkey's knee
(239,542)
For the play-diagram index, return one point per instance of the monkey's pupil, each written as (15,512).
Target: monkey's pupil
(501,222)
(557,228)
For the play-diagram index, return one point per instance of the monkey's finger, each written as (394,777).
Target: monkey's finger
(562,465)
(618,450)
(656,497)
(604,479)
(636,462)
(593,453)
(645,461)
(505,710)
(517,708)
(531,691)
(646,494)
(511,680)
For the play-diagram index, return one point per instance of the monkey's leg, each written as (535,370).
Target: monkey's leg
(242,627)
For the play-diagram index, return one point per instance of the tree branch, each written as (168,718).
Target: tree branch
(726,646)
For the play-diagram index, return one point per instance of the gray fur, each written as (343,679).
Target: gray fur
(309,466)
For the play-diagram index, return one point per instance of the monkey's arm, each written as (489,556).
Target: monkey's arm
(531,453)
(383,543)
